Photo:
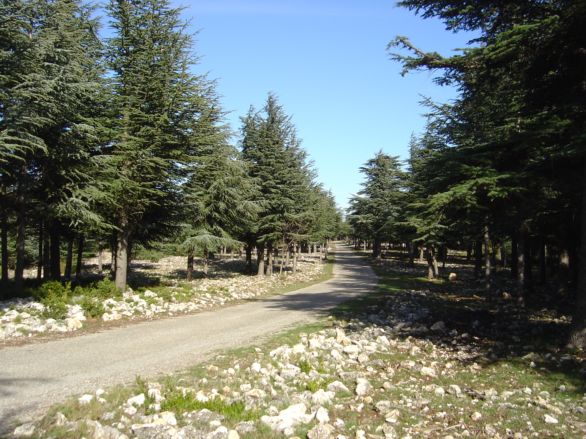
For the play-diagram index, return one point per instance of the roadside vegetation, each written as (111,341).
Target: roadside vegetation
(59,308)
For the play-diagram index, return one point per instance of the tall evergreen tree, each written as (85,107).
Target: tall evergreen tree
(147,149)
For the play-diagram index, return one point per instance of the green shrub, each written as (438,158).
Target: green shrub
(54,296)
(92,307)
(104,289)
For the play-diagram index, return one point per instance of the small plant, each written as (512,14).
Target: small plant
(314,386)
(179,403)
(305,366)
(93,308)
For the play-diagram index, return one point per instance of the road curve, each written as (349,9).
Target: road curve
(34,377)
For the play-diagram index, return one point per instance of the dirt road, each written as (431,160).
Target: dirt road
(35,376)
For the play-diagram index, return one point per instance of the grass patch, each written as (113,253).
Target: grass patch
(233,412)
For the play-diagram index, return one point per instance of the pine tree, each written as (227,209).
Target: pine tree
(378,205)
(278,165)
(148,143)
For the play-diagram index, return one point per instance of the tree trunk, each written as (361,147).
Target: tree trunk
(260,260)
(503,252)
(4,232)
(55,251)
(46,252)
(294,258)
(494,252)
(421,253)
(79,262)
(249,258)
(123,238)
(444,255)
(40,253)
(206,262)
(113,252)
(487,259)
(431,262)
(376,248)
(129,255)
(468,252)
(100,258)
(68,260)
(282,261)
(411,252)
(542,261)
(578,332)
(270,258)
(478,259)
(4,247)
(514,256)
(20,231)
(525,263)
(190,266)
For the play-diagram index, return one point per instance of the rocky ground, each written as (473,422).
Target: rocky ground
(25,318)
(381,367)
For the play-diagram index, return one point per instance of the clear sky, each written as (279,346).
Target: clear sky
(326,61)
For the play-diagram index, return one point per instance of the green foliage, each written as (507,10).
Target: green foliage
(179,403)
(377,211)
(102,290)
(305,366)
(55,297)
(92,307)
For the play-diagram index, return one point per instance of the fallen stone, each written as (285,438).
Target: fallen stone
(137,400)
(322,397)
(363,386)
(322,415)
(338,386)
(85,399)
(428,372)
(24,430)
(439,327)
(288,418)
(321,431)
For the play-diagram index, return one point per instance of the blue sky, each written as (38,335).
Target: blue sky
(326,61)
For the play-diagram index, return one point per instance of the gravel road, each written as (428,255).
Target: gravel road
(35,376)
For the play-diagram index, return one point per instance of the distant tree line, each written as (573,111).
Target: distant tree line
(501,171)
(116,142)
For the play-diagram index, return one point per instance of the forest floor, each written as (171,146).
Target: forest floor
(412,359)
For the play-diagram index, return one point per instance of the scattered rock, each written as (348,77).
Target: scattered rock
(337,386)
(321,431)
(288,418)
(24,430)
(363,386)
(428,372)
(85,399)
(137,400)
(322,415)
(439,327)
